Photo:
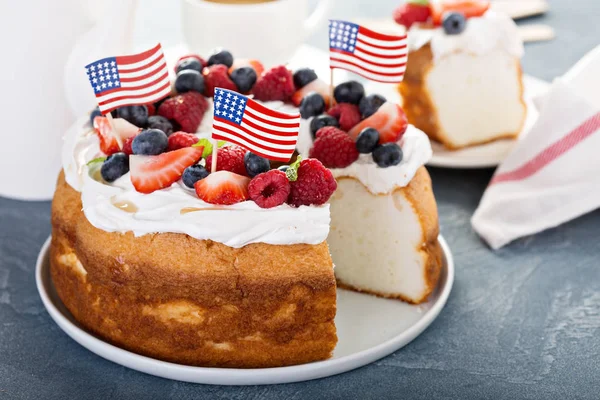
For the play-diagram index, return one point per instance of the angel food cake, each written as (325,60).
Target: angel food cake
(156,253)
(463,82)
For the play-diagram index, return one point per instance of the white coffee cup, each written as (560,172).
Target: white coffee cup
(269,31)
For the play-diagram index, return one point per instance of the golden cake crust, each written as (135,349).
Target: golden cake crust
(421,111)
(419,193)
(196,302)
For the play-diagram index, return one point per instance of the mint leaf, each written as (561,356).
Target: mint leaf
(292,171)
(420,2)
(96,160)
(208,147)
(221,143)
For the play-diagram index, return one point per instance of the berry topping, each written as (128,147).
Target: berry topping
(150,142)
(389,120)
(230,158)
(315,184)
(244,62)
(137,115)
(223,187)
(127,146)
(115,166)
(190,61)
(216,76)
(321,121)
(408,13)
(274,84)
(269,189)
(387,154)
(108,143)
(186,110)
(150,173)
(188,80)
(255,164)
(95,113)
(349,92)
(151,109)
(303,77)
(370,104)
(221,57)
(347,114)
(334,148)
(468,8)
(367,140)
(454,23)
(193,174)
(244,78)
(312,104)
(179,140)
(160,122)
(315,86)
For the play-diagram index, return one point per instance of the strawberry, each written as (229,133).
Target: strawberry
(315,86)
(150,173)
(389,120)
(469,8)
(108,141)
(245,62)
(223,187)
(408,13)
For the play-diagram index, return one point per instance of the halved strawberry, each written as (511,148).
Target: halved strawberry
(108,141)
(469,8)
(223,187)
(315,86)
(389,120)
(245,62)
(150,173)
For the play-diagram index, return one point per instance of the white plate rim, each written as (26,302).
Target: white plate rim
(232,376)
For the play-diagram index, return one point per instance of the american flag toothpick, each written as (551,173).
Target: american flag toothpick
(376,56)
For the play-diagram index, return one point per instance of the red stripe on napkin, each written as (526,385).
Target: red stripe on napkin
(551,152)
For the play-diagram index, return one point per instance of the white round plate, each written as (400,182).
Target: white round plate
(368,327)
(482,156)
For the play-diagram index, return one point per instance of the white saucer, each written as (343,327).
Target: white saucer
(482,156)
(369,328)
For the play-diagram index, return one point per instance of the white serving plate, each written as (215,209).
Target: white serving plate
(369,328)
(482,156)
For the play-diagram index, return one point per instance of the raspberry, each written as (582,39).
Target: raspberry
(216,76)
(229,158)
(408,13)
(334,148)
(347,114)
(151,109)
(185,109)
(315,184)
(269,189)
(275,84)
(179,140)
(127,146)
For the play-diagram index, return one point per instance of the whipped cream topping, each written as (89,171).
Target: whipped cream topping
(118,207)
(416,151)
(482,34)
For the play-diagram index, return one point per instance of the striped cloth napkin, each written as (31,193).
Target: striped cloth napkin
(553,174)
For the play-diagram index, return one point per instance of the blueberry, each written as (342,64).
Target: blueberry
(150,142)
(370,104)
(95,113)
(189,63)
(193,174)
(367,140)
(221,57)
(387,154)
(349,92)
(283,167)
(322,121)
(244,78)
(160,122)
(312,104)
(137,115)
(454,23)
(189,80)
(303,77)
(255,164)
(114,167)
